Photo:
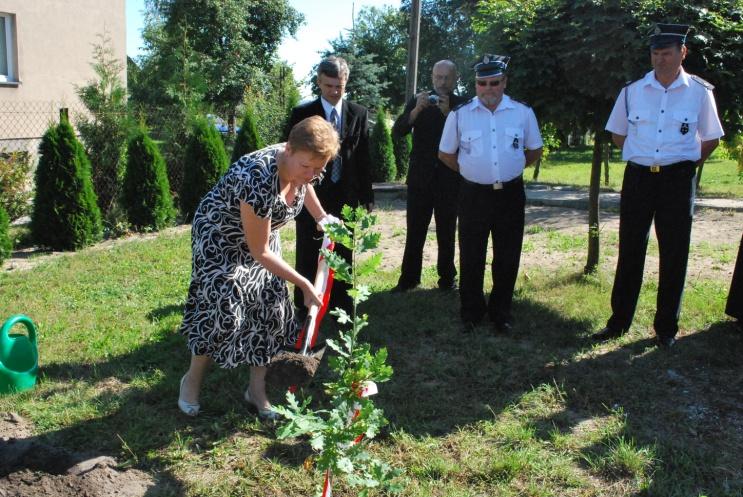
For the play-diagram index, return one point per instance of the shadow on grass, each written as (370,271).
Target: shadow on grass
(443,378)
(685,406)
(138,393)
(680,411)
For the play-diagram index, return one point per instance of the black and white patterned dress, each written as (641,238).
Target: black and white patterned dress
(238,312)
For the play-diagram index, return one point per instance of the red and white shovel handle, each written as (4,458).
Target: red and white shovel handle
(323,284)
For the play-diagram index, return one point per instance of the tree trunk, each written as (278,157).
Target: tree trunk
(231,124)
(536,169)
(592,261)
(699,175)
(607,151)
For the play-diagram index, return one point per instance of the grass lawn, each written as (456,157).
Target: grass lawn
(573,167)
(543,412)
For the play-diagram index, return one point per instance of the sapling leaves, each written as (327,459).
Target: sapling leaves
(341,434)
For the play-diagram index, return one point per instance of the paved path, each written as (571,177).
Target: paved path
(565,196)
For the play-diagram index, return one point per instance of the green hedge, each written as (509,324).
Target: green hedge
(248,140)
(381,150)
(206,162)
(6,244)
(65,212)
(402,145)
(146,192)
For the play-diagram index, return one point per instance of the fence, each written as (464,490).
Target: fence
(23,124)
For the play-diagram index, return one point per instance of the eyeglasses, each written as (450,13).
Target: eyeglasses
(494,83)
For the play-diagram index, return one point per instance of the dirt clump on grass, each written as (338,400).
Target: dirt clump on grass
(292,369)
(30,467)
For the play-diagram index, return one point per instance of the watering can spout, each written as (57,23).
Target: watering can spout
(19,356)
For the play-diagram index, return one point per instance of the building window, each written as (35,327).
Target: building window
(7,49)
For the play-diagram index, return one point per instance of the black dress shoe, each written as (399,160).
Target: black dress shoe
(503,327)
(666,342)
(448,286)
(400,288)
(607,334)
(468,327)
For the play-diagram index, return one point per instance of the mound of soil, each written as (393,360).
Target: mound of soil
(292,369)
(32,468)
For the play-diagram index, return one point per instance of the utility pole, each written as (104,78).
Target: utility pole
(413,37)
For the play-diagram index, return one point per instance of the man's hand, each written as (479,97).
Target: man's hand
(421,102)
(444,104)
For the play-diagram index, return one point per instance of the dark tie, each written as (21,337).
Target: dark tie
(335,174)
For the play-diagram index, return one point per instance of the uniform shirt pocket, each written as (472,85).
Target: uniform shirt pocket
(685,122)
(637,119)
(514,139)
(471,143)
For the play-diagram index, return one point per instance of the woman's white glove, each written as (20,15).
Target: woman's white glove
(328,219)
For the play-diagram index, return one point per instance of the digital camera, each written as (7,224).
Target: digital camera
(433,99)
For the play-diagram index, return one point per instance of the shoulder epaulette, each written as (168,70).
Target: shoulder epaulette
(702,82)
(626,97)
(457,107)
(520,102)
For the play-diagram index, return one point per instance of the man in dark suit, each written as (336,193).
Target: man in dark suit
(347,178)
(433,188)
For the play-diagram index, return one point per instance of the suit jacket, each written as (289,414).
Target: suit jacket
(355,185)
(425,165)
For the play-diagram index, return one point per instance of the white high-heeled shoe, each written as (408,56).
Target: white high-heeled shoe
(187,408)
(267,414)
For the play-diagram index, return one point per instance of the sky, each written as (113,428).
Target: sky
(324,21)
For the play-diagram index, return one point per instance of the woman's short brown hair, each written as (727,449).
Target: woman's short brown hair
(315,135)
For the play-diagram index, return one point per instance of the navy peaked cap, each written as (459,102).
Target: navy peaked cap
(664,35)
(491,65)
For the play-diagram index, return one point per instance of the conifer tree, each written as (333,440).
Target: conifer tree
(248,140)
(402,146)
(146,192)
(6,244)
(206,162)
(381,154)
(65,212)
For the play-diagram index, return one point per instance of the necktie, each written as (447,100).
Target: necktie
(335,174)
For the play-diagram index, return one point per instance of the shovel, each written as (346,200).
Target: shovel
(291,369)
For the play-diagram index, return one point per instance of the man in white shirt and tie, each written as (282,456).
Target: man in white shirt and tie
(666,125)
(347,178)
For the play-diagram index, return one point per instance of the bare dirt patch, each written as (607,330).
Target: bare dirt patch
(29,467)
(711,228)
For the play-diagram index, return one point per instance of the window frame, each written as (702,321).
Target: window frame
(9,20)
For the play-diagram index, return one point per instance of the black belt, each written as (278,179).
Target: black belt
(658,169)
(517,181)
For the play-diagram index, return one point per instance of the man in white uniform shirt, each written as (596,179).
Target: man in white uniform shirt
(489,140)
(666,125)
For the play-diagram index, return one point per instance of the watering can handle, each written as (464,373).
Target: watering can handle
(12,321)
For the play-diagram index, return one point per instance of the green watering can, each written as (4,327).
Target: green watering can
(19,356)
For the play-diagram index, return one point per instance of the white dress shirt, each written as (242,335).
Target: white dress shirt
(491,145)
(664,125)
(328,108)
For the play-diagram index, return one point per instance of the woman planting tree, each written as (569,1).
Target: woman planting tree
(238,309)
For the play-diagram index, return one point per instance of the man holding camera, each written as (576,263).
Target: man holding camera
(489,140)
(432,187)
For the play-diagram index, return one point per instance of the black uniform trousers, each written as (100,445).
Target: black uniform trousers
(734,306)
(667,197)
(309,241)
(485,212)
(439,200)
